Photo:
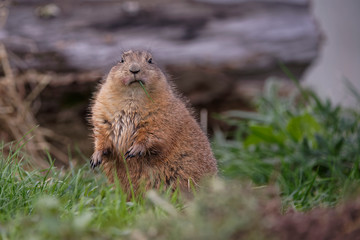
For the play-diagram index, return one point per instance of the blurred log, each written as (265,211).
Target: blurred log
(237,40)
(241,35)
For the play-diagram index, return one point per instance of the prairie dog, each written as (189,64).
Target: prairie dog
(149,133)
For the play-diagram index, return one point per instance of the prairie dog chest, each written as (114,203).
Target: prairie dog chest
(123,129)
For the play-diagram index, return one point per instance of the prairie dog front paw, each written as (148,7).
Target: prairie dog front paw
(96,158)
(136,149)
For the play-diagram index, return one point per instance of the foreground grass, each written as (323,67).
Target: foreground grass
(307,150)
(52,204)
(55,204)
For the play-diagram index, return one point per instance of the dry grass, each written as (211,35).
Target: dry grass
(17,119)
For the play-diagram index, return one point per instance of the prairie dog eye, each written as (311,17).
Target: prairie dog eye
(122,60)
(150,60)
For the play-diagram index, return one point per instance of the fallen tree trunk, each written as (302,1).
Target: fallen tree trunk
(84,35)
(236,40)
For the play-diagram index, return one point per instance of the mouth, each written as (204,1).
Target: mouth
(137,81)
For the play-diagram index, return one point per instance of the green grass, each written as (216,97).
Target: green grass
(73,204)
(305,147)
(59,202)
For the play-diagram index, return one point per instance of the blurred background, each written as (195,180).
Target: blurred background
(218,52)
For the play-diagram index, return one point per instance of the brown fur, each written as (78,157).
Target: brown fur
(158,138)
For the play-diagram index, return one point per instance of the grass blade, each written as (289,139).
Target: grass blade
(146,92)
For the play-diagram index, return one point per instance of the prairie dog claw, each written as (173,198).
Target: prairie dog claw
(135,150)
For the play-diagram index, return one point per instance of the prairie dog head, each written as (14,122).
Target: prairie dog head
(136,68)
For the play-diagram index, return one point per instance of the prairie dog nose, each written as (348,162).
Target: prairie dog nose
(134,68)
